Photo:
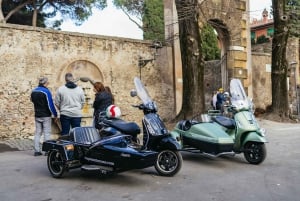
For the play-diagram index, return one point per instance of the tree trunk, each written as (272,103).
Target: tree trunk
(34,16)
(280,106)
(1,13)
(192,64)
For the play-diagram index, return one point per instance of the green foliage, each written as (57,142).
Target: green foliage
(293,10)
(153,20)
(78,11)
(262,39)
(209,43)
(59,10)
(131,7)
(23,16)
(149,12)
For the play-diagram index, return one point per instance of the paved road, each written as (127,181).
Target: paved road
(26,178)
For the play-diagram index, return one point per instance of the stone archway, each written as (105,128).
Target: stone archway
(224,41)
(230,19)
(83,68)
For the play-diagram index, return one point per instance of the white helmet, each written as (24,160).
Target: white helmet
(113,111)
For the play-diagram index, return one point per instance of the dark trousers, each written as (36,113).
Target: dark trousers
(68,122)
(219,106)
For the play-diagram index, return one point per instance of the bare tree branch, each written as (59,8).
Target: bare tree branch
(131,19)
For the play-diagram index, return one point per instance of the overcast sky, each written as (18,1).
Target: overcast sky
(110,21)
(113,22)
(257,6)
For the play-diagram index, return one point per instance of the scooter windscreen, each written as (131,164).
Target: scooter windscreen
(239,98)
(142,91)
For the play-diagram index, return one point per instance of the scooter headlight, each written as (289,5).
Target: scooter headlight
(262,131)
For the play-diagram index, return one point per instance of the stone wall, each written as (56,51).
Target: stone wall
(261,73)
(26,53)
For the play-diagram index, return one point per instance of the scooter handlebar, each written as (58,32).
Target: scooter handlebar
(140,106)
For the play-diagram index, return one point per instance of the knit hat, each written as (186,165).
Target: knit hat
(43,80)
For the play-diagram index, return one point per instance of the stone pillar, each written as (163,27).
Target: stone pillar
(246,16)
(172,38)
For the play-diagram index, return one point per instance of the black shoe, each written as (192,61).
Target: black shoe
(37,154)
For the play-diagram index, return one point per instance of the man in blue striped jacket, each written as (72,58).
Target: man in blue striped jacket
(44,110)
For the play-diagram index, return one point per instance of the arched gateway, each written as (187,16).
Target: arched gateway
(230,19)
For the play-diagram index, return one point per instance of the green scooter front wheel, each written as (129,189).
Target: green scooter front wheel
(255,153)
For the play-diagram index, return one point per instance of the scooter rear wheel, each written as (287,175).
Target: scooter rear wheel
(55,164)
(168,163)
(255,153)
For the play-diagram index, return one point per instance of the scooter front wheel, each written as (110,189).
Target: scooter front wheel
(168,163)
(255,152)
(55,164)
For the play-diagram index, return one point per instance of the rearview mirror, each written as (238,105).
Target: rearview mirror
(133,93)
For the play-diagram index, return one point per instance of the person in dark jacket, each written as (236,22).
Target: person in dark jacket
(107,88)
(44,109)
(103,99)
(220,100)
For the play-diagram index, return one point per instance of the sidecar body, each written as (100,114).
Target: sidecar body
(204,137)
(84,148)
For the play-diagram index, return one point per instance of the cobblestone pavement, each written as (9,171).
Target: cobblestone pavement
(27,178)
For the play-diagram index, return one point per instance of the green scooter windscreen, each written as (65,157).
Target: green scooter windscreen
(239,98)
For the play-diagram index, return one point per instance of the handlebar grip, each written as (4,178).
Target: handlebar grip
(140,106)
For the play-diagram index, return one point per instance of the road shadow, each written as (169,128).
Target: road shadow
(132,178)
(212,161)
(5,148)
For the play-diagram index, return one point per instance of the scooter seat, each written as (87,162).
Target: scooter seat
(125,127)
(225,121)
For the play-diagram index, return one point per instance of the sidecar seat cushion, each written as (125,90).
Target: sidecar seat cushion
(85,135)
(225,121)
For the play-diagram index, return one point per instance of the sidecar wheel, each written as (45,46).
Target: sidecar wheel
(56,164)
(255,153)
(168,163)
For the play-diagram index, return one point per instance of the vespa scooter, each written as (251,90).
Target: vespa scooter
(156,136)
(223,135)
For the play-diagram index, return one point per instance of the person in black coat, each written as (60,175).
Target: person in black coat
(220,100)
(44,110)
(103,99)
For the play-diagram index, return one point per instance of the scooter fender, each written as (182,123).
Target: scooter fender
(64,147)
(168,142)
(177,137)
(254,137)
